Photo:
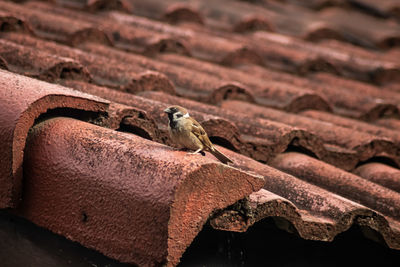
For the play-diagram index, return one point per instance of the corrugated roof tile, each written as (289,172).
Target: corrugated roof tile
(309,204)
(388,8)
(382,174)
(41,65)
(367,146)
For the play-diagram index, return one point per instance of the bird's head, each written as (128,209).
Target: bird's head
(176,113)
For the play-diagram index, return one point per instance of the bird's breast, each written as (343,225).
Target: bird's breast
(182,136)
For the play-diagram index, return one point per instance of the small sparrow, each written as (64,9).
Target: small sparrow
(188,133)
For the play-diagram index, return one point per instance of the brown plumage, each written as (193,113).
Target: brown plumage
(188,133)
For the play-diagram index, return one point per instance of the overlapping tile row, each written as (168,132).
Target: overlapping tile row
(277,51)
(337,145)
(293,93)
(207,87)
(213,83)
(333,164)
(282,17)
(238,128)
(260,139)
(307,196)
(149,37)
(69,62)
(386,9)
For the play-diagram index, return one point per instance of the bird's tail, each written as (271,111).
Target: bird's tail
(224,159)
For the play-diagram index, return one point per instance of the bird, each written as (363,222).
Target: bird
(187,133)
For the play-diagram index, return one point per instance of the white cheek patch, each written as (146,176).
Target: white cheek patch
(186,115)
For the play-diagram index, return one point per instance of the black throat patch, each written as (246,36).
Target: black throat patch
(172,123)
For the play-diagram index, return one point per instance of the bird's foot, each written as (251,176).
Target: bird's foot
(199,151)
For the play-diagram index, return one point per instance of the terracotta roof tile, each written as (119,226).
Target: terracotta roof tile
(373,32)
(389,8)
(41,65)
(381,174)
(353,124)
(311,58)
(370,102)
(53,27)
(366,145)
(340,182)
(100,190)
(229,50)
(125,77)
(22,101)
(389,123)
(312,108)
(328,23)
(315,212)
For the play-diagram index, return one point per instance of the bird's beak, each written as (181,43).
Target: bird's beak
(167,110)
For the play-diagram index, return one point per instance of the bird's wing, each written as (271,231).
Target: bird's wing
(199,132)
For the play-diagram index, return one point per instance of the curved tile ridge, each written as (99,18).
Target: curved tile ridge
(133,120)
(89,34)
(369,103)
(319,30)
(264,204)
(346,184)
(101,5)
(181,12)
(166,44)
(254,23)
(349,98)
(242,55)
(14,23)
(37,64)
(296,53)
(353,124)
(98,29)
(316,213)
(131,78)
(231,90)
(149,81)
(380,173)
(53,26)
(22,100)
(121,117)
(200,86)
(99,169)
(318,64)
(291,98)
(383,10)
(269,91)
(365,145)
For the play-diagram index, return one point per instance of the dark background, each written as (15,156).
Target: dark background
(25,244)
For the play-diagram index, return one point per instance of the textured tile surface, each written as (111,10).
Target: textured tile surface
(302,95)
